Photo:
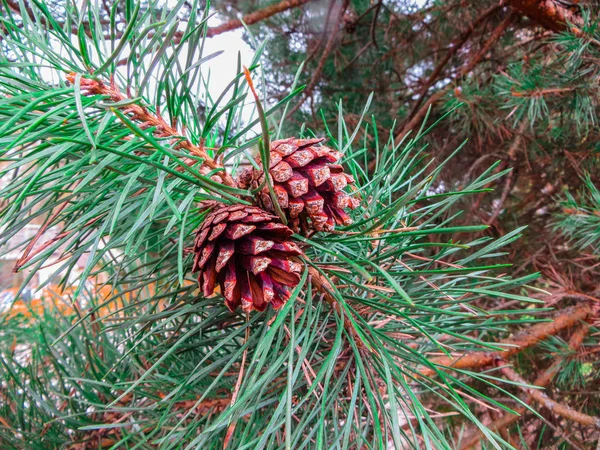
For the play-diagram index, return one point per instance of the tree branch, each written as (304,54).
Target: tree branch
(527,338)
(319,70)
(501,425)
(492,40)
(324,287)
(456,45)
(511,178)
(558,408)
(256,16)
(146,120)
(548,13)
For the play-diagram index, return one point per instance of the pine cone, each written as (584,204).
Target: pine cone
(308,184)
(247,252)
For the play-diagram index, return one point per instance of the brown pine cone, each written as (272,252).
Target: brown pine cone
(247,252)
(308,183)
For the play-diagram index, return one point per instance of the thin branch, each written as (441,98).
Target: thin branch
(324,287)
(161,128)
(511,178)
(319,70)
(501,425)
(558,408)
(256,16)
(492,40)
(548,13)
(453,49)
(527,338)
(238,385)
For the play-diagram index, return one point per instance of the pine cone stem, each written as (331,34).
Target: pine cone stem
(162,129)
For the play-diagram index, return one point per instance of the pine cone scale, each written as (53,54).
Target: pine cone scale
(282,172)
(306,178)
(247,253)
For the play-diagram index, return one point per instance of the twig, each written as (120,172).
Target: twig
(324,287)
(40,232)
(374,24)
(492,40)
(256,16)
(319,69)
(502,424)
(548,13)
(453,49)
(511,178)
(161,128)
(558,408)
(527,338)
(323,35)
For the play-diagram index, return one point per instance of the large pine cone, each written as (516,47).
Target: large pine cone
(247,252)
(308,184)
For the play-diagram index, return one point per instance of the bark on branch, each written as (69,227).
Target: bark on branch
(161,129)
(256,16)
(497,33)
(548,13)
(527,338)
(504,423)
(558,408)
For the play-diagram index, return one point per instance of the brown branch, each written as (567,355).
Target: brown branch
(230,25)
(501,425)
(491,41)
(558,408)
(525,339)
(324,287)
(256,16)
(319,69)
(147,120)
(238,385)
(456,45)
(548,13)
(323,34)
(511,178)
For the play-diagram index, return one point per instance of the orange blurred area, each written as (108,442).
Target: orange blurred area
(104,301)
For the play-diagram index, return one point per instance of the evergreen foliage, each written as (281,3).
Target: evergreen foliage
(109,135)
(580,218)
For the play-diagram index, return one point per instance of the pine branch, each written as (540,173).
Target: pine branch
(540,397)
(454,47)
(160,128)
(551,14)
(494,37)
(511,178)
(256,16)
(502,424)
(316,76)
(324,287)
(527,338)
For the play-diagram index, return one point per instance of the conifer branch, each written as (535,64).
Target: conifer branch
(324,287)
(494,37)
(501,425)
(316,76)
(160,128)
(256,16)
(454,47)
(551,14)
(540,397)
(511,178)
(527,338)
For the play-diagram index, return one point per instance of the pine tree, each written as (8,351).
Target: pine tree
(387,330)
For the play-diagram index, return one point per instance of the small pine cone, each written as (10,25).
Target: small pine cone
(308,184)
(247,253)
